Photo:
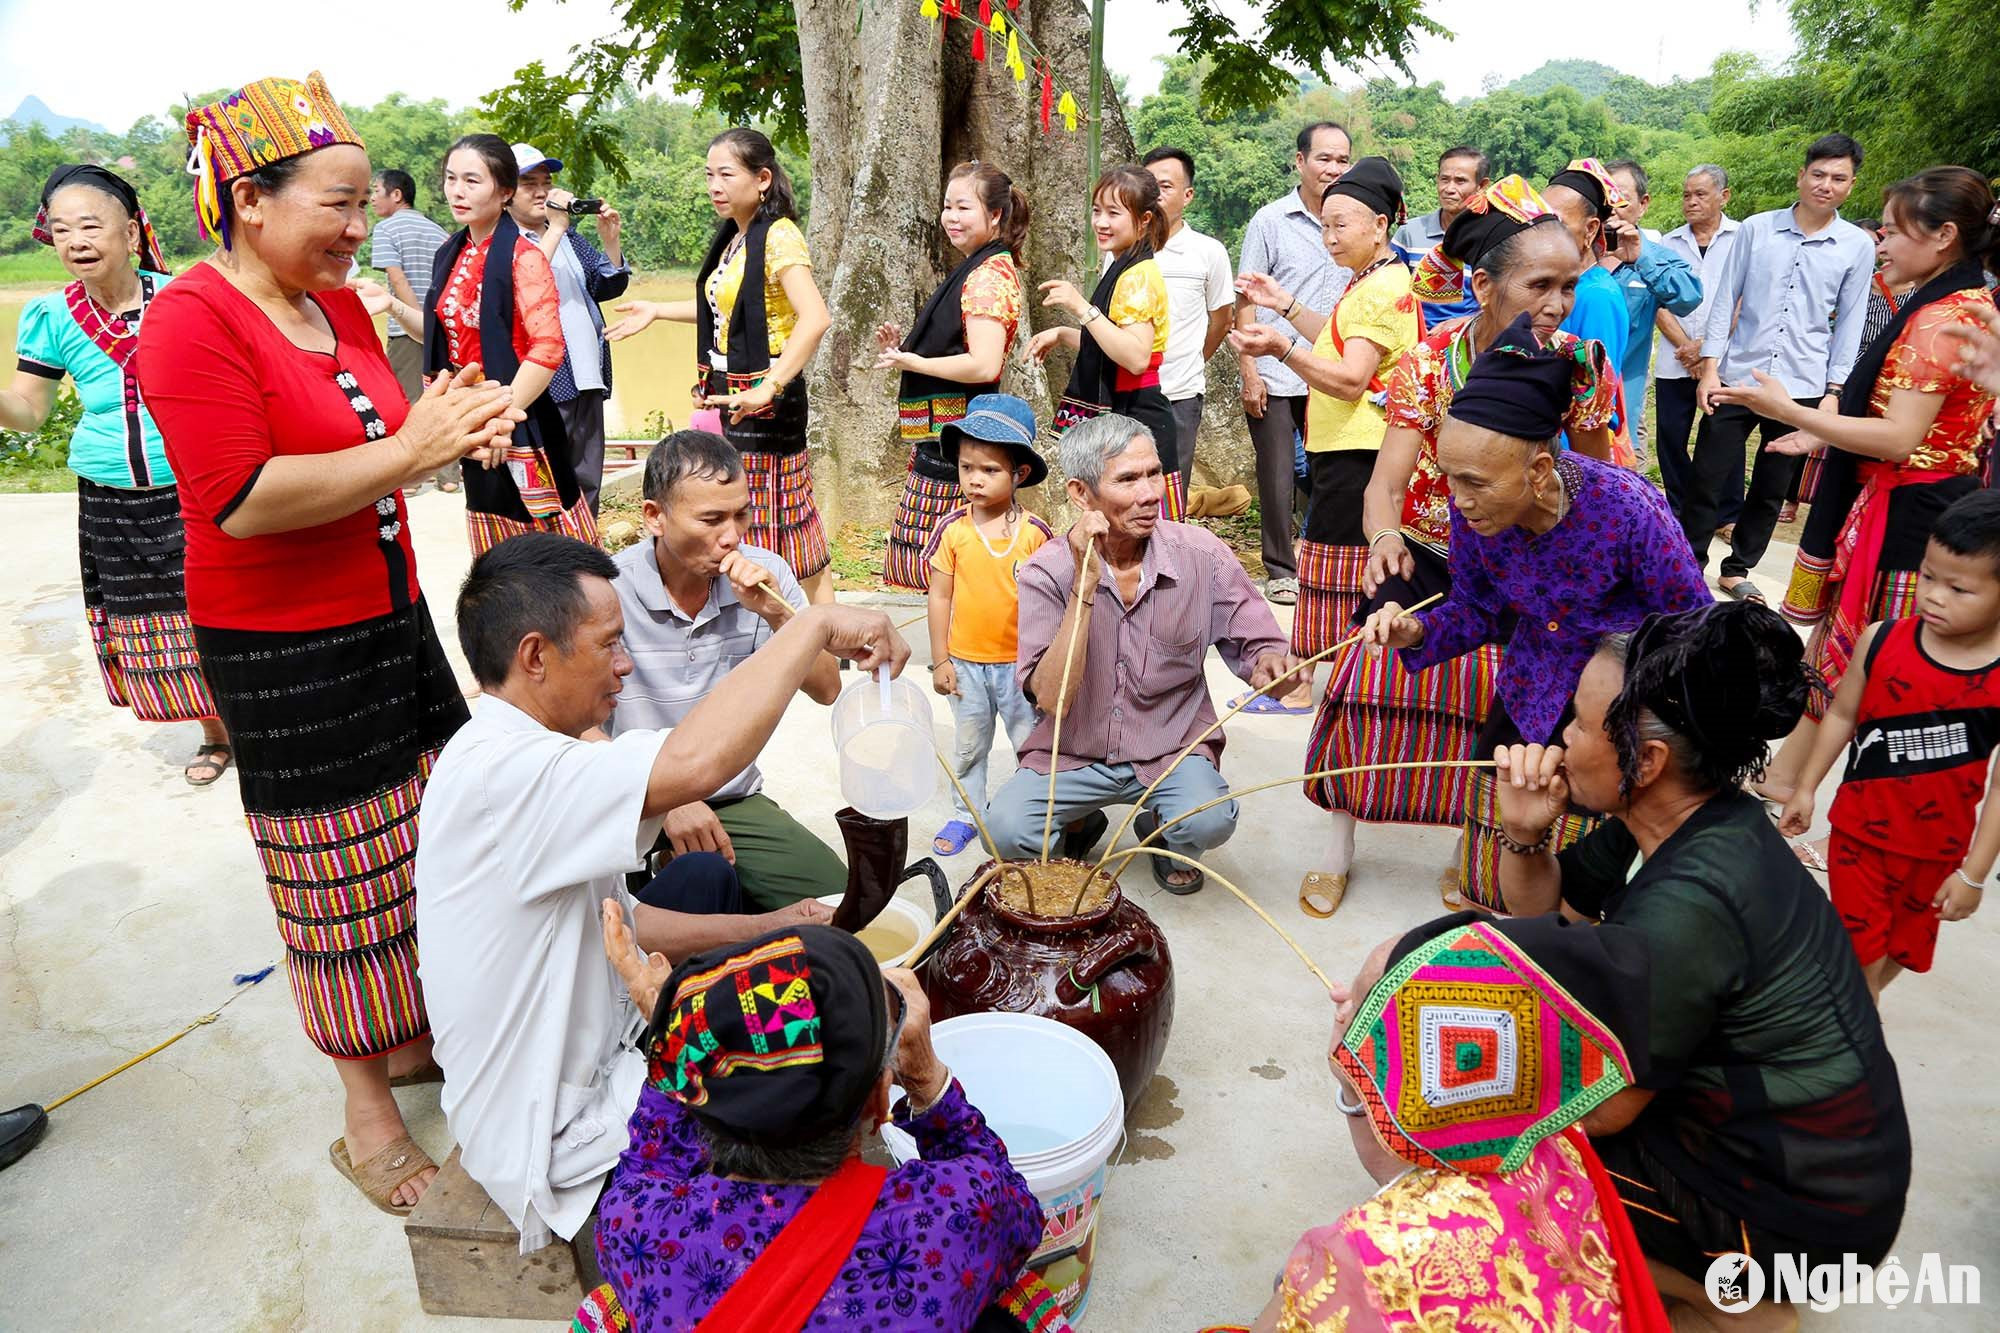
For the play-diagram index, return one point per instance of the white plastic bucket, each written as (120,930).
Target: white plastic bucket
(1052,1095)
(901,920)
(883,732)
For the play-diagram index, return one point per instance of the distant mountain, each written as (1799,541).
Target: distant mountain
(34,111)
(1586,76)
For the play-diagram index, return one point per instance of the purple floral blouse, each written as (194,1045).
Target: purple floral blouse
(1617,556)
(948,1234)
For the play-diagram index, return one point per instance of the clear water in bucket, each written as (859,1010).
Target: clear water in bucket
(883,732)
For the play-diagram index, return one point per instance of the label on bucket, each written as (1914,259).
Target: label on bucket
(1069,1243)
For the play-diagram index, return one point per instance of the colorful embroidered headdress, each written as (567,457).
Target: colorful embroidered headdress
(261,123)
(1485,1037)
(775,1041)
(1587,176)
(1507,206)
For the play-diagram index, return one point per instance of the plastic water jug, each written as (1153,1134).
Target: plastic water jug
(882,731)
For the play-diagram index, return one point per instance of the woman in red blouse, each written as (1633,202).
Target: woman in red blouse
(292,443)
(507,319)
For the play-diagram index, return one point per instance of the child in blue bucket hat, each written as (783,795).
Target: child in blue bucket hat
(974,554)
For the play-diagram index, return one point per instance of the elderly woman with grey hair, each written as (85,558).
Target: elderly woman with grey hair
(1134,696)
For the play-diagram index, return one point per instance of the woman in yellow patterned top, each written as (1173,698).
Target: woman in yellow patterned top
(1346,368)
(1118,366)
(954,352)
(753,341)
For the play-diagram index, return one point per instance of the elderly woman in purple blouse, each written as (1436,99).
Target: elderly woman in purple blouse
(1549,553)
(743,1202)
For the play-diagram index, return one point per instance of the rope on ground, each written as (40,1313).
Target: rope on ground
(244,981)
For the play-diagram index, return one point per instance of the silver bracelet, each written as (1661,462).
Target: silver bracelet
(1341,1103)
(1975,885)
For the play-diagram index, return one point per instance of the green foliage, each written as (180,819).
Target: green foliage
(40,462)
(563,116)
(1249,71)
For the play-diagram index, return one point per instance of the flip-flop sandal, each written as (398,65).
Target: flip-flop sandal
(216,768)
(1809,856)
(1743,590)
(1164,870)
(1320,894)
(448,487)
(394,1165)
(427,1073)
(1078,842)
(1788,511)
(1264,703)
(952,838)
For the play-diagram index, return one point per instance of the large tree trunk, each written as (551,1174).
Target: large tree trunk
(891,106)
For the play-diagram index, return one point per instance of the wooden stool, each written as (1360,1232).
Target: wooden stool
(468,1258)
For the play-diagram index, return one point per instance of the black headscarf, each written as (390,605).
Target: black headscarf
(1587,185)
(774,1042)
(1517,386)
(1728,677)
(1375,183)
(110,182)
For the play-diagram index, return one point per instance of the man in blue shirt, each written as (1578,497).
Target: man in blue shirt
(1789,303)
(1585,197)
(1284,240)
(1652,278)
(1704,241)
(585,275)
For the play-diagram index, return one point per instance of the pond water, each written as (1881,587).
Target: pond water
(650,373)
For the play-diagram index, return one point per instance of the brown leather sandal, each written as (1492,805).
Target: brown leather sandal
(394,1165)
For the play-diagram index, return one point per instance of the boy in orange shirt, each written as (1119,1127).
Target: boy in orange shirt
(974,603)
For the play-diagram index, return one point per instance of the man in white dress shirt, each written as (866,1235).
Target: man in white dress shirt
(531,820)
(1201,296)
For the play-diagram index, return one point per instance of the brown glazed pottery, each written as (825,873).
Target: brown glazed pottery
(875,869)
(1106,972)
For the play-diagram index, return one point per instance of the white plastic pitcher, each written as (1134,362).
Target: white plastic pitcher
(1054,1093)
(883,734)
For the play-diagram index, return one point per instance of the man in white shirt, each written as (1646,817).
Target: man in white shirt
(1703,241)
(531,821)
(1201,296)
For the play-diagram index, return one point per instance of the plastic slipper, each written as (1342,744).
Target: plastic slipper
(426,1073)
(952,838)
(214,767)
(1320,894)
(1163,869)
(1451,890)
(1282,592)
(1809,856)
(1264,703)
(378,1178)
(448,487)
(1743,590)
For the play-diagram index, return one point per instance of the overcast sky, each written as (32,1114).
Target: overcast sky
(182,55)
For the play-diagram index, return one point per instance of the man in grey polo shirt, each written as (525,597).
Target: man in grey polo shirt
(1284,241)
(697,602)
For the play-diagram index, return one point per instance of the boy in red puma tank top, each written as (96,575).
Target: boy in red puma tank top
(1915,831)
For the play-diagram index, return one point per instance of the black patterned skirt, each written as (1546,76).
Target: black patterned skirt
(335,732)
(784,513)
(130,545)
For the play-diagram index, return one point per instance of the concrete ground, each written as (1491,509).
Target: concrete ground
(194,1190)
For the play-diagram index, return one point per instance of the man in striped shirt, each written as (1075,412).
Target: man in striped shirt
(402,245)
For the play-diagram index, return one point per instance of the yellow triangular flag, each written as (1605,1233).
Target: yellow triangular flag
(999,24)
(928,9)
(1014,58)
(1067,109)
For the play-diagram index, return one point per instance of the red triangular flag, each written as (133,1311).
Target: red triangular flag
(979,33)
(1048,94)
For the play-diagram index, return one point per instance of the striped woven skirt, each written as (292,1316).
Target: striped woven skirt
(927,496)
(1332,551)
(335,732)
(1894,598)
(784,517)
(1479,851)
(1376,712)
(486,531)
(129,545)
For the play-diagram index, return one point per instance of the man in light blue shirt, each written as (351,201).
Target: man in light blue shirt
(1652,278)
(1284,239)
(1704,241)
(1461,173)
(1789,305)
